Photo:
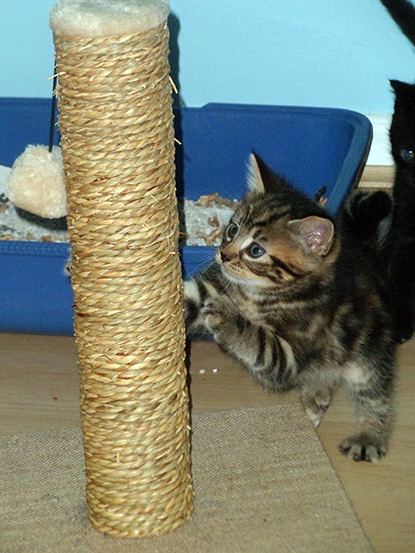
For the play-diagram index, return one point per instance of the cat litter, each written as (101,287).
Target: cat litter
(201,222)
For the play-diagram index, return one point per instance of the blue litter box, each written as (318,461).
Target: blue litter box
(311,147)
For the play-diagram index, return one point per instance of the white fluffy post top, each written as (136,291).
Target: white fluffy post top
(97,18)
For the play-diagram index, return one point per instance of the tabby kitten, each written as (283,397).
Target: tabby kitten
(293,295)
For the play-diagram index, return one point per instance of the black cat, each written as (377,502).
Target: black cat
(399,249)
(400,241)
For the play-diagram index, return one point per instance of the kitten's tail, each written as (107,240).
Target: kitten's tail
(364,212)
(403,13)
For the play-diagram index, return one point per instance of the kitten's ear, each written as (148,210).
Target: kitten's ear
(254,177)
(261,178)
(315,233)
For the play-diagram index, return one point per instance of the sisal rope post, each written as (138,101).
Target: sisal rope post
(117,142)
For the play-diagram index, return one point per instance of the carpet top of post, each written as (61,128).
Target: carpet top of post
(98,18)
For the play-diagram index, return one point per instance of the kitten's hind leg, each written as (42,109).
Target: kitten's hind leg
(316,399)
(372,392)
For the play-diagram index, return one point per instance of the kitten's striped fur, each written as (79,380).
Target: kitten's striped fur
(295,296)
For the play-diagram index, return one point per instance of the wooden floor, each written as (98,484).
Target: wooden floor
(39,391)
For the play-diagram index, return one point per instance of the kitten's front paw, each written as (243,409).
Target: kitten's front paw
(364,447)
(217,314)
(213,316)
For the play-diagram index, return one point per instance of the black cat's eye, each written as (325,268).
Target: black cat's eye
(408,155)
(231,231)
(255,250)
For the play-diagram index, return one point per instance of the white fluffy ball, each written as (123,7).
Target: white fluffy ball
(36,182)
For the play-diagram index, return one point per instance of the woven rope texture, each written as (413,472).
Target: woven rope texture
(117,144)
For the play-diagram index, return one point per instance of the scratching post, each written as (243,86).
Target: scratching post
(118,153)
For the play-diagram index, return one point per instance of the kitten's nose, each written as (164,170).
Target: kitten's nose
(224,257)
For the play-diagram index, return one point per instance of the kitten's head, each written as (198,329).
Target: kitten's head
(276,236)
(402,131)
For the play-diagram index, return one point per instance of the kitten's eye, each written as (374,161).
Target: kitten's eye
(408,155)
(231,231)
(255,250)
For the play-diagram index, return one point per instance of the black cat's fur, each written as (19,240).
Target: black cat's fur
(399,248)
(400,241)
(403,13)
